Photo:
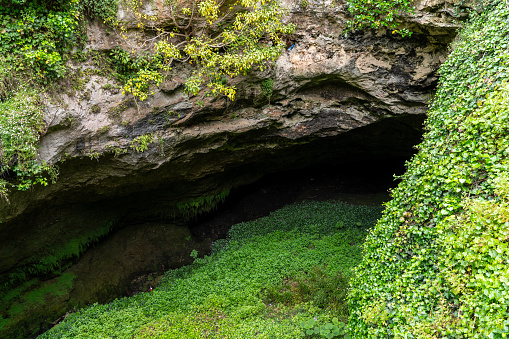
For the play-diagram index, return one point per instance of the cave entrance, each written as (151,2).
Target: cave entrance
(357,167)
(362,182)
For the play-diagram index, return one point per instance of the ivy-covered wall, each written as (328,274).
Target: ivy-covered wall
(435,266)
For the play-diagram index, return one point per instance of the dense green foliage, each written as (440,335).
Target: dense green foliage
(435,266)
(475,251)
(21,122)
(36,38)
(269,276)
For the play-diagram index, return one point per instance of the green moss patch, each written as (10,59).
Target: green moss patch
(27,305)
(55,260)
(195,206)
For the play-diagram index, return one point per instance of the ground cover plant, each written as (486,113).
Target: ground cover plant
(435,266)
(268,279)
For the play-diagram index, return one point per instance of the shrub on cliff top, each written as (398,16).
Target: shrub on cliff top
(222,39)
(435,264)
(36,38)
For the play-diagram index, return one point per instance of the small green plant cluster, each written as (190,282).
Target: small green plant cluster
(223,295)
(315,285)
(378,14)
(435,264)
(115,150)
(140,144)
(137,71)
(334,329)
(267,87)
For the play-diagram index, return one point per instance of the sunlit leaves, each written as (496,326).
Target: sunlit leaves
(169,52)
(475,248)
(139,84)
(220,43)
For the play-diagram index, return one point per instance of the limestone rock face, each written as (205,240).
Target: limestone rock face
(328,97)
(324,85)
